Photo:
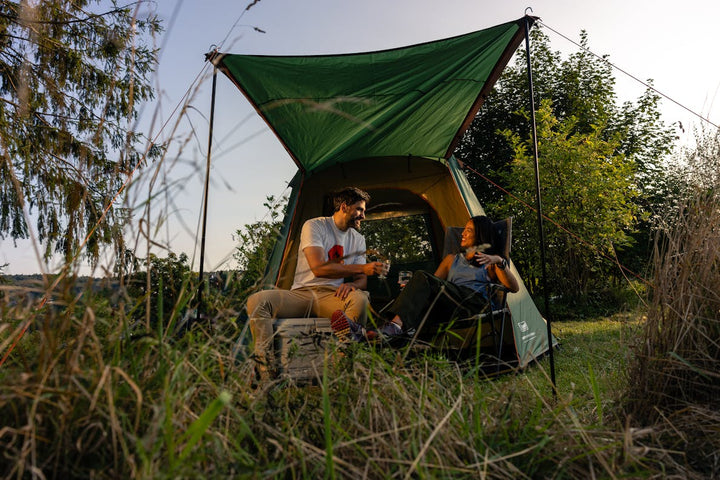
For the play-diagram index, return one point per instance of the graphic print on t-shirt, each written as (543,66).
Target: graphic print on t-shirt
(336,253)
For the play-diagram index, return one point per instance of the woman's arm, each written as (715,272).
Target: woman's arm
(506,277)
(502,275)
(443,269)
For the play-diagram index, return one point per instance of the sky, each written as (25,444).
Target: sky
(671,42)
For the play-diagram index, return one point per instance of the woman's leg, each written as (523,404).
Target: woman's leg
(426,291)
(415,298)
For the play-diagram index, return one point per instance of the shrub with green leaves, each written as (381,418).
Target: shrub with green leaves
(587,188)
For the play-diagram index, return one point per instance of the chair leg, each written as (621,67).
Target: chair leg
(502,329)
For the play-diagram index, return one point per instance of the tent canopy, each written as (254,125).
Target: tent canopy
(416,100)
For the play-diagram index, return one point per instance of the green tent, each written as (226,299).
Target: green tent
(416,100)
(387,122)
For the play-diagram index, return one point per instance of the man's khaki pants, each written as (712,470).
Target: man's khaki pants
(264,306)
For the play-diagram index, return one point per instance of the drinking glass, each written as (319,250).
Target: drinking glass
(385,270)
(404,277)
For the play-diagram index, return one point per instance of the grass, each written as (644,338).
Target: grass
(676,384)
(110,406)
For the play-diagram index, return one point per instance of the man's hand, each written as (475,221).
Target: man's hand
(344,290)
(373,268)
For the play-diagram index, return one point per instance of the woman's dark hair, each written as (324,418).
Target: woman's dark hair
(485,233)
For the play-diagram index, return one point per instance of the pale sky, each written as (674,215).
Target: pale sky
(671,42)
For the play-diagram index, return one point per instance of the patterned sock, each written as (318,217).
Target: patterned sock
(340,326)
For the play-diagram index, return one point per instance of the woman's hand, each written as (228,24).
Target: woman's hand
(484,259)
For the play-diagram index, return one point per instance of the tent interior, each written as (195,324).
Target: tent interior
(419,191)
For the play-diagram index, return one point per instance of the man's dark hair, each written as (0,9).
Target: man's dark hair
(348,196)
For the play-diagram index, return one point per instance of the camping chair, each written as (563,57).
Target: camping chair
(482,329)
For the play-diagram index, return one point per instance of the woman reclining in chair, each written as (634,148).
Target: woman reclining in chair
(460,285)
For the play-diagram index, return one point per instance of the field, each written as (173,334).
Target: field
(96,402)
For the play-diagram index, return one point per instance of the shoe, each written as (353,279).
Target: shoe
(357,332)
(391,329)
(345,329)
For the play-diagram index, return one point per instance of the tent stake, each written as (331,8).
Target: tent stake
(201,280)
(539,206)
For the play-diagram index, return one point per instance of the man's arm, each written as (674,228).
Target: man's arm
(325,269)
(359,283)
(359,272)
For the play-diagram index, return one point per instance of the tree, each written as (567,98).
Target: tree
(582,100)
(399,239)
(588,187)
(70,83)
(255,245)
(171,287)
(702,162)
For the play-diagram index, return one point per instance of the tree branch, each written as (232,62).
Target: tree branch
(15,19)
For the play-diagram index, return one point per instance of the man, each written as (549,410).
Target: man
(331,249)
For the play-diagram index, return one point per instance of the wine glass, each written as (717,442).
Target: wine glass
(385,269)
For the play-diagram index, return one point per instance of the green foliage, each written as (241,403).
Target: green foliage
(401,239)
(105,404)
(255,245)
(171,287)
(678,347)
(113,407)
(200,426)
(71,77)
(580,92)
(702,172)
(587,188)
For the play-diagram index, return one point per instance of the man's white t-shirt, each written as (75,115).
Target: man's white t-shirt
(346,247)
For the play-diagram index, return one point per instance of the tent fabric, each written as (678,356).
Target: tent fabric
(463,185)
(416,100)
(276,256)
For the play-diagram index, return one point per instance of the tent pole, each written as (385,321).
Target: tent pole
(201,280)
(539,206)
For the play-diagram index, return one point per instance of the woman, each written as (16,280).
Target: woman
(463,278)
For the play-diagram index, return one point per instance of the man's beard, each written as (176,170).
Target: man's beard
(355,223)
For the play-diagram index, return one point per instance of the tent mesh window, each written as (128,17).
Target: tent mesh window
(404,240)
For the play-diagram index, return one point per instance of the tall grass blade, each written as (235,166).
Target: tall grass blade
(327,423)
(198,428)
(596,392)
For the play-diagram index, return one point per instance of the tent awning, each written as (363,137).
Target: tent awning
(415,100)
